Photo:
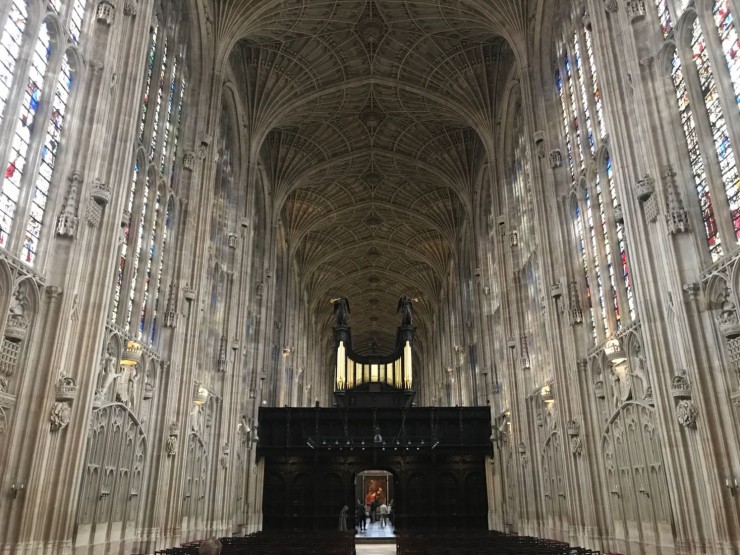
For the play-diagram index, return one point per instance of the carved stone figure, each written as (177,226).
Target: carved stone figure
(686,413)
(60,415)
(341,310)
(407,311)
(171,446)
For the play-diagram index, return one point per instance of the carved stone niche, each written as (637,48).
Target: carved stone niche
(105,13)
(680,386)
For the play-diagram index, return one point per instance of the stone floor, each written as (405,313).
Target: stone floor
(375,531)
(376,549)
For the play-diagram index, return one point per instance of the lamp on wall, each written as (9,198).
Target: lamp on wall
(132,354)
(613,351)
(201,396)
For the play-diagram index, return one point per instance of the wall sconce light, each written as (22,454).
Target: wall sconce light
(132,354)
(201,396)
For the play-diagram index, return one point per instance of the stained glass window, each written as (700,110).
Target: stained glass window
(142,257)
(599,241)
(621,245)
(10,45)
(564,111)
(150,257)
(720,135)
(596,91)
(730,46)
(48,158)
(695,159)
(158,107)
(584,96)
(76,19)
(664,15)
(24,127)
(149,70)
(575,125)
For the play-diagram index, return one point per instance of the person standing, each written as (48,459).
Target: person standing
(383,515)
(360,516)
(343,519)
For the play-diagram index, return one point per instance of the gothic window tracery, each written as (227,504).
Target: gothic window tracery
(48,69)
(142,257)
(599,235)
(701,109)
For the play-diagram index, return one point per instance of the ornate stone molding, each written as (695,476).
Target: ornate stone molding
(68,221)
(675,214)
(94,214)
(170,312)
(574,304)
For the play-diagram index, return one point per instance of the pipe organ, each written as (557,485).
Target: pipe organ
(353,370)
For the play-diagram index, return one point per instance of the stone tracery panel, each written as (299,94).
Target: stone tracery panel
(112,477)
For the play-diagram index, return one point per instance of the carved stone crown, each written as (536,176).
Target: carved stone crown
(680,387)
(728,324)
(132,354)
(100,192)
(573,427)
(174,428)
(66,388)
(16,328)
(644,188)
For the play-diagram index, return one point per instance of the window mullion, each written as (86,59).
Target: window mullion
(718,63)
(143,256)
(591,267)
(133,237)
(706,144)
(155,285)
(601,259)
(154,88)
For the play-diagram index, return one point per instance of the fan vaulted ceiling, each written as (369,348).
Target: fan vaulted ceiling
(373,120)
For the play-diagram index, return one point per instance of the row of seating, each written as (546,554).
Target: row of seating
(274,543)
(482,543)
